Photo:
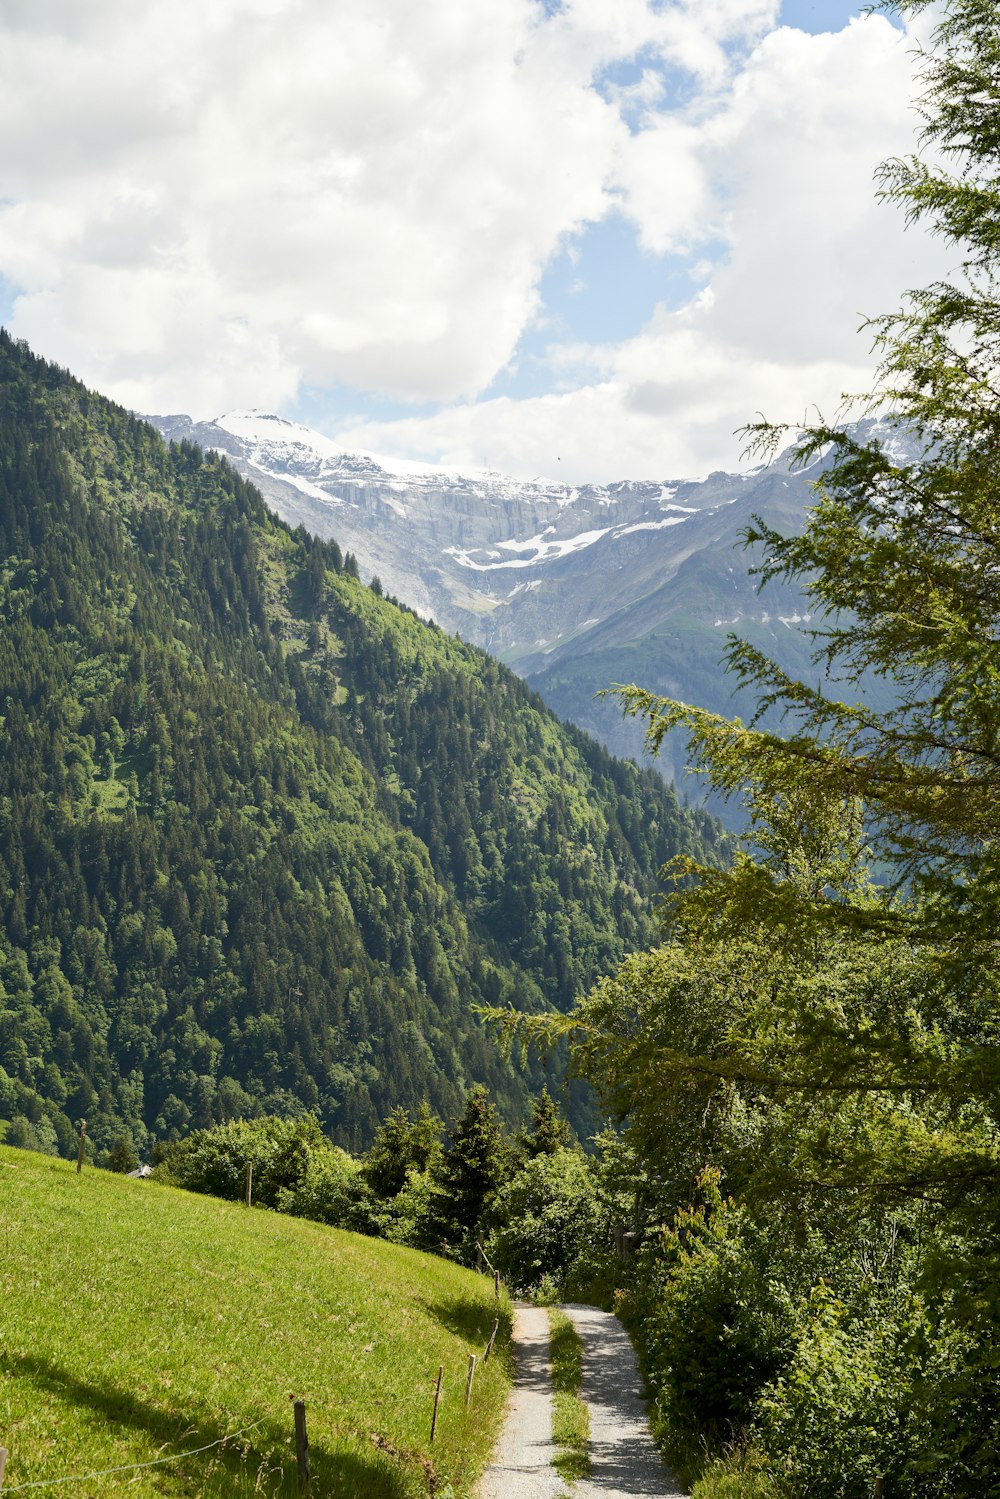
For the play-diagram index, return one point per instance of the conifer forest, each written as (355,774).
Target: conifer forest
(291,877)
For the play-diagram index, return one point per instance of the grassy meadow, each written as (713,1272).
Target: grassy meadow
(137,1321)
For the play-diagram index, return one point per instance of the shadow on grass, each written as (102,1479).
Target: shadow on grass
(258,1464)
(469,1319)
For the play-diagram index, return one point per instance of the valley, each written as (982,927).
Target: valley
(575,588)
(267,839)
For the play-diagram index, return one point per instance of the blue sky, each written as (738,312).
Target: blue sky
(600,285)
(605,230)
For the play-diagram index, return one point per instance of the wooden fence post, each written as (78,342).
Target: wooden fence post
(496,1284)
(437,1397)
(489,1345)
(468,1380)
(249,1175)
(3,1464)
(83,1146)
(880,1487)
(302,1448)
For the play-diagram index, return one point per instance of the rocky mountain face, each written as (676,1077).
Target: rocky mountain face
(577,588)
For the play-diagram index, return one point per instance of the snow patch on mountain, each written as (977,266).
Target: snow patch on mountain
(653,525)
(542,550)
(299,483)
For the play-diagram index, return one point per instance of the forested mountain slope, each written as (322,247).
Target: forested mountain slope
(265,837)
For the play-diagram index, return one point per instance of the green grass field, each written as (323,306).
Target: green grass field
(137,1321)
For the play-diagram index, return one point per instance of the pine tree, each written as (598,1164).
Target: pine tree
(402,1144)
(901,554)
(549,1131)
(470,1173)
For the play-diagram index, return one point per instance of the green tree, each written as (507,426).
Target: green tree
(549,1131)
(471,1171)
(899,556)
(122,1156)
(548,1219)
(840,1034)
(402,1145)
(258,825)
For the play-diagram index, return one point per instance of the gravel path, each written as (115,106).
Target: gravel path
(624,1462)
(522,1467)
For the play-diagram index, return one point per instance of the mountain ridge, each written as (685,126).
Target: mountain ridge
(265,836)
(576,587)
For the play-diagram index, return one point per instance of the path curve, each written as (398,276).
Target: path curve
(625,1463)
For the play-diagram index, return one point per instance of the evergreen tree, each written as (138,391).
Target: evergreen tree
(122,1156)
(549,1131)
(402,1144)
(899,556)
(257,823)
(471,1171)
(827,1041)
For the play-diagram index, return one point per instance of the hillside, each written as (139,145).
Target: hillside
(266,837)
(575,587)
(140,1321)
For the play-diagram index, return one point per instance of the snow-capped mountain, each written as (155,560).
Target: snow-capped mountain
(576,587)
(491,557)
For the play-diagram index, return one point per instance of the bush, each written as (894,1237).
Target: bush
(714,1324)
(831,1422)
(24,1135)
(332,1190)
(952,1437)
(548,1219)
(215,1160)
(404,1219)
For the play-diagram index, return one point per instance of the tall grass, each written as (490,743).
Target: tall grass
(137,1321)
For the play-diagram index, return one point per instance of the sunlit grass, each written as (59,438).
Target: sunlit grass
(735,1477)
(570,1416)
(137,1321)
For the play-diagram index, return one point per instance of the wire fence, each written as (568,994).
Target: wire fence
(302,1445)
(156,1462)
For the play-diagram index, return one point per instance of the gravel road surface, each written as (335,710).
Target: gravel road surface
(624,1462)
(522,1466)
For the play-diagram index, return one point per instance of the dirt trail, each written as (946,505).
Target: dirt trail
(624,1462)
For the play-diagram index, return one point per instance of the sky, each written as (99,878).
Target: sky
(576,239)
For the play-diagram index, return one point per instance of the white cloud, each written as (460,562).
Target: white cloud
(779,168)
(262,192)
(220,203)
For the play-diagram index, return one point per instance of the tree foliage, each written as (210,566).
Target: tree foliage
(266,837)
(809,1070)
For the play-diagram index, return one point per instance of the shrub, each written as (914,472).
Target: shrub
(714,1324)
(215,1160)
(831,1422)
(404,1219)
(547,1219)
(25,1135)
(332,1190)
